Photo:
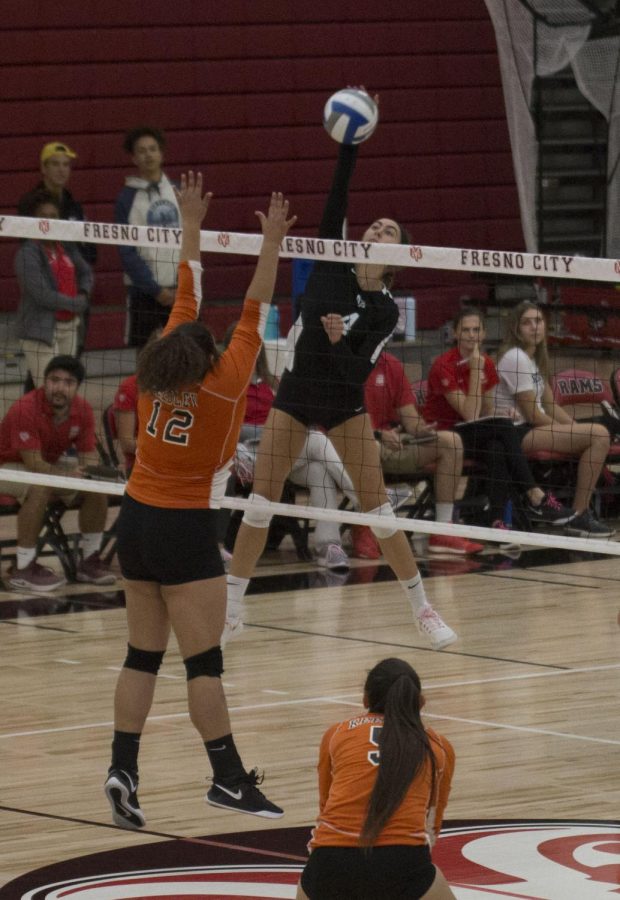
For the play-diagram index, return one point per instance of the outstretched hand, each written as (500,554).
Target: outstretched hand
(192,203)
(275,224)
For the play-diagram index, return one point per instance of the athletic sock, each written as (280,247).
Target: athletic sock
(25,555)
(125,749)
(414,589)
(225,760)
(235,592)
(444,512)
(90,543)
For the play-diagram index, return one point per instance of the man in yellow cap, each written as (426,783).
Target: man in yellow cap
(55,159)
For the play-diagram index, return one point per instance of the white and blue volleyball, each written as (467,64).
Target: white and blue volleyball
(350,116)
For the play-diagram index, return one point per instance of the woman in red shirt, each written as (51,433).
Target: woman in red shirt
(55,283)
(461,395)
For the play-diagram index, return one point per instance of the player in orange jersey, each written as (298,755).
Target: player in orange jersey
(384,781)
(190,409)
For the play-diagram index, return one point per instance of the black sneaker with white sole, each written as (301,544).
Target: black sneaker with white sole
(588,526)
(121,789)
(550,511)
(243,796)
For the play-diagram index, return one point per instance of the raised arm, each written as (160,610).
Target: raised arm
(193,207)
(275,226)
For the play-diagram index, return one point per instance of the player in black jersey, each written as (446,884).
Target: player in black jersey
(347,316)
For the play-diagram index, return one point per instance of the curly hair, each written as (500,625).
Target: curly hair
(180,358)
(135,134)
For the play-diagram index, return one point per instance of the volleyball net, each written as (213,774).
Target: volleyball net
(585,379)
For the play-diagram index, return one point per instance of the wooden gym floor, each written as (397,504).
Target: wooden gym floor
(529,696)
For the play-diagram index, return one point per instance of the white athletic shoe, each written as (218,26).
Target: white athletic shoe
(431,626)
(332,556)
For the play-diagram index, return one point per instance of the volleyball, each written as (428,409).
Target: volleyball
(350,116)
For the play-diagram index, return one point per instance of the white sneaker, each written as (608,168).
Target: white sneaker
(398,495)
(332,556)
(431,626)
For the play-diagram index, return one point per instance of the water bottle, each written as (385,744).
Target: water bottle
(272,326)
(508,514)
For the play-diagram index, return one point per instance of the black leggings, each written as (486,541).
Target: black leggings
(496,444)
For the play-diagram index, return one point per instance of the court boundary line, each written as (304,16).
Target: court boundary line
(345,699)
(222,845)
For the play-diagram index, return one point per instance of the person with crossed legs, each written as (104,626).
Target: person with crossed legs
(525,394)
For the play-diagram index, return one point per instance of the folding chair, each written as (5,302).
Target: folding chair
(52,535)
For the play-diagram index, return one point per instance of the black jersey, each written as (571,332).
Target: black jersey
(317,372)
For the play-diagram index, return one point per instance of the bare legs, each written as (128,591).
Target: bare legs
(196,612)
(281,443)
(587,441)
(355,444)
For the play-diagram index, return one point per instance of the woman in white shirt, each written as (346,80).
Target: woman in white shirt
(524,392)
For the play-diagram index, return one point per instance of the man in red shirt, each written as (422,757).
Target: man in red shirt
(408,444)
(41,432)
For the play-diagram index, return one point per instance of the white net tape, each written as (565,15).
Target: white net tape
(445,258)
(414,526)
(457,259)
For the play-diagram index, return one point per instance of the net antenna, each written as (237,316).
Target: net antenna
(560,67)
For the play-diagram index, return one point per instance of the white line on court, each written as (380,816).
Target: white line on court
(352,699)
(562,734)
(554,673)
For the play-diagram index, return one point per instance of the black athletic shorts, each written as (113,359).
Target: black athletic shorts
(169,546)
(312,415)
(350,873)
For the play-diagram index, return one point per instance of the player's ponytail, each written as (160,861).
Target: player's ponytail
(393,688)
(180,358)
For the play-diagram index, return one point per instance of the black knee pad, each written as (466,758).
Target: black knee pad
(209,663)
(143,660)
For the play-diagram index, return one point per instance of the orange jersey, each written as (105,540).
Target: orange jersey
(187,438)
(348,762)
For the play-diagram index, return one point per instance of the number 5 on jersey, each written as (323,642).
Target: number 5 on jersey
(177,428)
(373,755)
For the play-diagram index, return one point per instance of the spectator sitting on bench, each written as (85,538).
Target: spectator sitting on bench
(461,395)
(36,432)
(525,394)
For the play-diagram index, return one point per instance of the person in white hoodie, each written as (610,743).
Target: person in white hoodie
(150,272)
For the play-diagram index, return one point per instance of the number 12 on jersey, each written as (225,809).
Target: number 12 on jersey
(176,429)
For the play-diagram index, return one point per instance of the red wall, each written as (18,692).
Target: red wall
(239,88)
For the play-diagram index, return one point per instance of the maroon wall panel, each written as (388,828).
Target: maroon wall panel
(239,89)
